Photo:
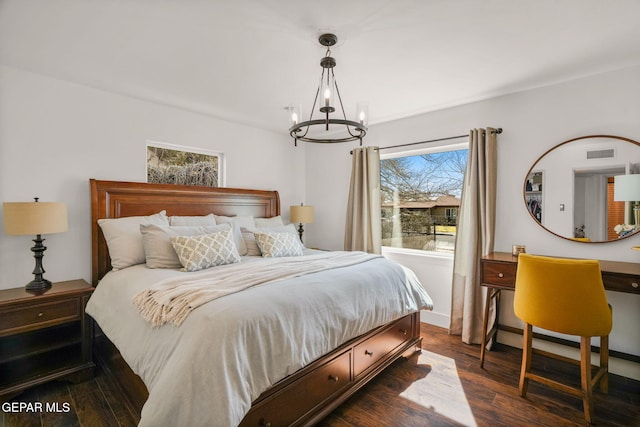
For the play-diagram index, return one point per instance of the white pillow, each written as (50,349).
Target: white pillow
(192,220)
(269,222)
(250,241)
(237,222)
(158,250)
(206,250)
(124,239)
(281,244)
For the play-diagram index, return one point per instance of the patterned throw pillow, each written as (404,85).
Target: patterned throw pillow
(206,250)
(157,242)
(278,244)
(250,239)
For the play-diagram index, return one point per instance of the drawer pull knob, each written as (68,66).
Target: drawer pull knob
(500,275)
(368,353)
(265,424)
(40,314)
(403,331)
(634,285)
(333,378)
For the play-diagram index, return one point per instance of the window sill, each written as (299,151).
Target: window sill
(416,252)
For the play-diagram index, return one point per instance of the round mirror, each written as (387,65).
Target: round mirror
(587,189)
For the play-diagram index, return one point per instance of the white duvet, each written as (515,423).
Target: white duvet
(227,352)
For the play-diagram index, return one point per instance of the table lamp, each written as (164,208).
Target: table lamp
(24,218)
(302,215)
(626,188)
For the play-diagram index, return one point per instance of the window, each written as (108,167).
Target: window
(420,197)
(173,164)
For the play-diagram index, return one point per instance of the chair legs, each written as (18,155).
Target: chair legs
(587,382)
(604,364)
(526,359)
(585,377)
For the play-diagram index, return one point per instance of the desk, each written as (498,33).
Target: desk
(498,273)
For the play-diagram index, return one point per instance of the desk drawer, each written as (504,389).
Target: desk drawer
(367,353)
(621,283)
(498,273)
(32,316)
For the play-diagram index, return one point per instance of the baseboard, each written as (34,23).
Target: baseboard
(435,319)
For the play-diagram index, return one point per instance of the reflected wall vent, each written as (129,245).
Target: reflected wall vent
(601,154)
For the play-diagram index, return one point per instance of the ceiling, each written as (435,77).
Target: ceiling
(245,60)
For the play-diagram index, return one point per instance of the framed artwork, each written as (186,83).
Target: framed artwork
(173,164)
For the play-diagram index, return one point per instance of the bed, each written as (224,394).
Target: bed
(234,360)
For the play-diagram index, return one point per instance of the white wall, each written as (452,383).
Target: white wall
(533,121)
(55,135)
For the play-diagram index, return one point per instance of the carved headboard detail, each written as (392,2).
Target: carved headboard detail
(114,199)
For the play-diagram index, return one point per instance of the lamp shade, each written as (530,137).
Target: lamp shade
(626,188)
(22,218)
(301,214)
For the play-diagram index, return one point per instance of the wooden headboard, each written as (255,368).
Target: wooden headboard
(113,199)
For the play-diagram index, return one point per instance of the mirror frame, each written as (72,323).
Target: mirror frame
(524,185)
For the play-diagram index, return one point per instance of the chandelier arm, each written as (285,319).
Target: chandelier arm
(315,100)
(335,82)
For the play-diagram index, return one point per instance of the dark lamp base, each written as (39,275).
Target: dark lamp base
(36,285)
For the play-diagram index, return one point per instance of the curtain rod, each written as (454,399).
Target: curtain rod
(497,131)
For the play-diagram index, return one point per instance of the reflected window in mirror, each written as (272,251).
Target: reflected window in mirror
(569,190)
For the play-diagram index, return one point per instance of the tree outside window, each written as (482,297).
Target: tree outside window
(420,198)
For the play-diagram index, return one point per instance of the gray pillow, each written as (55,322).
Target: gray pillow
(192,220)
(238,222)
(158,249)
(124,240)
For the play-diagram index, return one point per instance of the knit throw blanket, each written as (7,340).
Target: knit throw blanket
(171,300)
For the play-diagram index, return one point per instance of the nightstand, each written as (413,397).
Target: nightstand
(44,336)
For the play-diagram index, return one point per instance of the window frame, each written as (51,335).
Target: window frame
(447,146)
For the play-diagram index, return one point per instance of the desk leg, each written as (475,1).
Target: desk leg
(486,336)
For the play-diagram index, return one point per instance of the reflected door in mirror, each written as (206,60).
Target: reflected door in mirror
(569,192)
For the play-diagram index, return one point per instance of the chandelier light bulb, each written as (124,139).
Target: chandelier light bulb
(327,96)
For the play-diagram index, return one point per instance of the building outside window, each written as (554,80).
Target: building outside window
(420,197)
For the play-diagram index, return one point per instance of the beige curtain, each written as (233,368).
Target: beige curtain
(475,236)
(363,228)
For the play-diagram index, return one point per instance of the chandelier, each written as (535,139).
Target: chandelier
(343,130)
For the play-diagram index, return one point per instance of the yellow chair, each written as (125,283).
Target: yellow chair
(565,296)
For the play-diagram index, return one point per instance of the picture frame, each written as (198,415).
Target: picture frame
(175,164)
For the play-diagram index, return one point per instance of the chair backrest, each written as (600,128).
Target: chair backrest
(562,295)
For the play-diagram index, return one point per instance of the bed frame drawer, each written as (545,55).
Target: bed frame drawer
(369,352)
(303,395)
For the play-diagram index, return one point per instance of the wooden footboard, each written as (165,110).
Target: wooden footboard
(308,395)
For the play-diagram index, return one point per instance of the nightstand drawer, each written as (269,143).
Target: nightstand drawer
(500,274)
(30,317)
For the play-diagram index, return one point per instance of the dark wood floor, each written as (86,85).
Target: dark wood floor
(444,386)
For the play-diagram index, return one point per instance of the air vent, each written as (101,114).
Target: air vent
(600,154)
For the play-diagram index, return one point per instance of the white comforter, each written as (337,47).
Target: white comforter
(207,371)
